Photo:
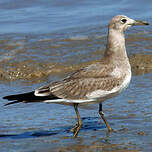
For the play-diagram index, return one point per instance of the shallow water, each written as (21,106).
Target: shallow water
(42,41)
(45,127)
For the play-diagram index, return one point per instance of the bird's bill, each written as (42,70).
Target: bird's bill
(136,22)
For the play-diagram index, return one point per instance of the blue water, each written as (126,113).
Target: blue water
(71,32)
(39,16)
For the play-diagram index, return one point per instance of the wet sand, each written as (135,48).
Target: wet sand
(141,63)
(27,68)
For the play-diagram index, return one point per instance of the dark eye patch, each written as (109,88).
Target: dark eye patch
(124,20)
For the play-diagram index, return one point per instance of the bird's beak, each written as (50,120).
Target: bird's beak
(136,22)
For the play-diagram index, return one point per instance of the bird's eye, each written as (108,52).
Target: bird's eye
(123,20)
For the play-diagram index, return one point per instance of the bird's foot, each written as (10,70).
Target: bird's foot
(109,129)
(76,129)
(73,129)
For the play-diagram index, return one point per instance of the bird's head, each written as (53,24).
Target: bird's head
(121,23)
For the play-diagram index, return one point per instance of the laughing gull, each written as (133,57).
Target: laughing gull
(94,83)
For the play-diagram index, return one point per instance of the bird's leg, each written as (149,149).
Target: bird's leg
(104,119)
(77,127)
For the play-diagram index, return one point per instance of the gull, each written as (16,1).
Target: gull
(94,83)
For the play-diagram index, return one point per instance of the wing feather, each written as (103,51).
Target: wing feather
(79,84)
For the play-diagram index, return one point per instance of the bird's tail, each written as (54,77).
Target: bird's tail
(27,97)
(13,102)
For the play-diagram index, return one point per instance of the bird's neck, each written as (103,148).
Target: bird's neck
(115,48)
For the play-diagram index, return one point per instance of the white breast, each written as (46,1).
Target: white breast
(117,72)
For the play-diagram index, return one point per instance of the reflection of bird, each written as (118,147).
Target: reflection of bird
(94,83)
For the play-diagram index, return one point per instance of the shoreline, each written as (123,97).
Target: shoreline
(28,70)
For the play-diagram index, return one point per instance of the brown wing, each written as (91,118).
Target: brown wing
(91,78)
(78,88)
(94,71)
